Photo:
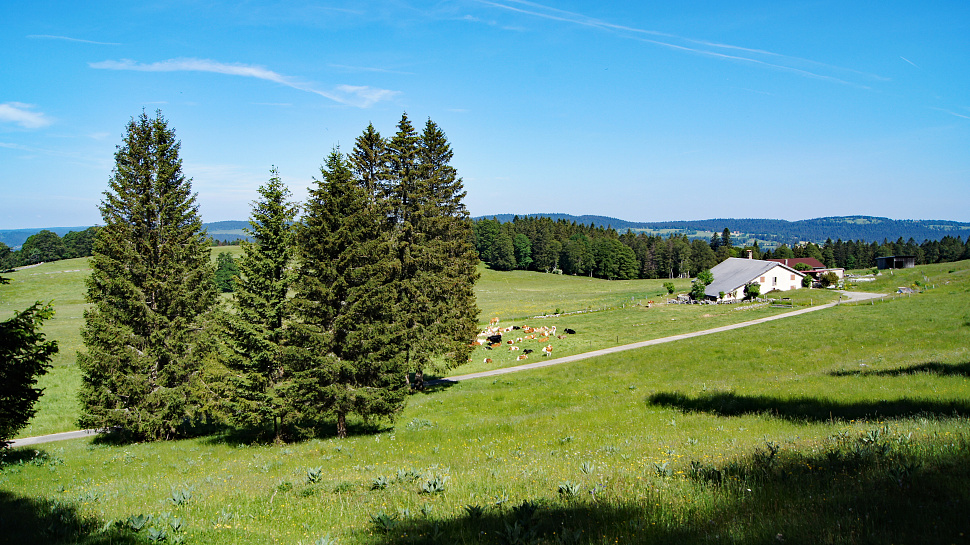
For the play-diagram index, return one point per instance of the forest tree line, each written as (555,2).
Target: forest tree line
(48,246)
(547,245)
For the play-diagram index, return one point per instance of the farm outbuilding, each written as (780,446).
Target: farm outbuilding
(896,262)
(734,273)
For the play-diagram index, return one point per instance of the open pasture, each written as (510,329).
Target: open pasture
(842,426)
(515,295)
(507,295)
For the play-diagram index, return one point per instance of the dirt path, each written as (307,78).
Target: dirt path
(850,296)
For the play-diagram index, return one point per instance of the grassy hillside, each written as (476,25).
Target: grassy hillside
(605,313)
(841,426)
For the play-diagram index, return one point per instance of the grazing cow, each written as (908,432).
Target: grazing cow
(493,321)
(521,357)
(547,350)
(528,351)
(488,360)
(512,348)
(570,331)
(494,339)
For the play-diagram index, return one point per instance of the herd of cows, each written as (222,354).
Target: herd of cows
(495,337)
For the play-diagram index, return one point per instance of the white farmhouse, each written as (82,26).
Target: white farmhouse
(734,273)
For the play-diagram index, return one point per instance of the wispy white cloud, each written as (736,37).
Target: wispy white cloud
(909,61)
(728,52)
(359,96)
(951,112)
(23,115)
(68,39)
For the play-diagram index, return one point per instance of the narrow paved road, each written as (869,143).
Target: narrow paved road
(63,436)
(849,295)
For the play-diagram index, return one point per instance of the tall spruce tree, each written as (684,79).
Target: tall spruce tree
(345,352)
(255,331)
(435,248)
(150,288)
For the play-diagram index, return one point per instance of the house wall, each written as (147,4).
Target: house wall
(779,278)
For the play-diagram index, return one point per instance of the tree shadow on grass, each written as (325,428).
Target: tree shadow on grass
(859,490)
(434,384)
(807,409)
(931,368)
(22,455)
(26,521)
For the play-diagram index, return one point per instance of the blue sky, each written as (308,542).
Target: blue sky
(639,110)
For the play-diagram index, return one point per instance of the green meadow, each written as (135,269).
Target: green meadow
(847,425)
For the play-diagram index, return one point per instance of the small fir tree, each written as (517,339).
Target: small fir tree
(255,330)
(226,272)
(150,291)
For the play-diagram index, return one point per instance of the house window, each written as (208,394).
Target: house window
(774,281)
(793,278)
(762,280)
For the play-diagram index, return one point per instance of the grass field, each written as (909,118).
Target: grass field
(611,316)
(846,425)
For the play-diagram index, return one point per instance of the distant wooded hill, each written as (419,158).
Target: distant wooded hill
(867,228)
(219,230)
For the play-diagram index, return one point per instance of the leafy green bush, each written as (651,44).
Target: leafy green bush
(752,290)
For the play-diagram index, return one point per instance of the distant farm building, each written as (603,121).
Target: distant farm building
(734,273)
(817,267)
(896,262)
